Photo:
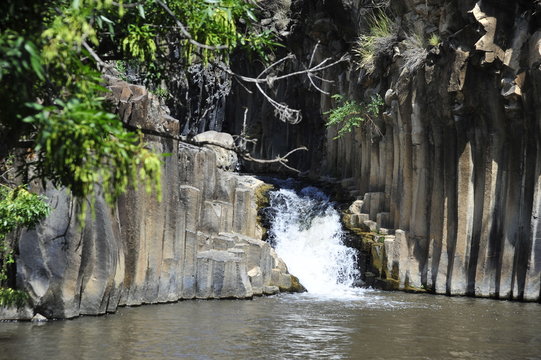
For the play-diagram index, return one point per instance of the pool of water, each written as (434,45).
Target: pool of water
(365,325)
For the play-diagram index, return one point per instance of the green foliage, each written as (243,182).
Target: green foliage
(140,42)
(219,22)
(78,143)
(18,208)
(19,55)
(161,92)
(350,114)
(434,39)
(380,37)
(10,297)
(81,145)
(151,34)
(53,95)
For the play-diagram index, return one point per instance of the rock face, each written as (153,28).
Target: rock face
(456,169)
(201,241)
(222,144)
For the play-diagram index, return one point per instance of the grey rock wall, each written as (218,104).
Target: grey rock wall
(457,167)
(201,241)
(455,175)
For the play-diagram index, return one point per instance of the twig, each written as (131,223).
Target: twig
(244,86)
(282,111)
(323,79)
(95,56)
(310,74)
(313,54)
(282,160)
(5,178)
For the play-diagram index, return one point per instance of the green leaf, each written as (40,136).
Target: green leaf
(36,66)
(106,19)
(251,15)
(141,11)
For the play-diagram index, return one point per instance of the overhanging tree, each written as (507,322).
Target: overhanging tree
(53,116)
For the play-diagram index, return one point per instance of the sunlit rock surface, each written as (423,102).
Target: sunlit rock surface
(201,241)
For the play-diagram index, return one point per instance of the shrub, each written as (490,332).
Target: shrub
(434,39)
(18,207)
(351,114)
(416,51)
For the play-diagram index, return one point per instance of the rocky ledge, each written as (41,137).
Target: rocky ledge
(201,241)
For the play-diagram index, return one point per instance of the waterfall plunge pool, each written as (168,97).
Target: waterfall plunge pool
(375,325)
(334,320)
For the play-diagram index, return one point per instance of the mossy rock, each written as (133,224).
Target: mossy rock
(376,254)
(395,271)
(412,289)
(262,195)
(262,201)
(296,285)
(387,284)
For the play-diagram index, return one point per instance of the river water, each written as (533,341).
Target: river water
(333,320)
(376,325)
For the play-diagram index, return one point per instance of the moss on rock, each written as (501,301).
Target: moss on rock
(262,195)
(296,285)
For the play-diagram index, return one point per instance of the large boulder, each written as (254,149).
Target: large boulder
(222,144)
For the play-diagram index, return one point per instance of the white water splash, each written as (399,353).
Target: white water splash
(307,234)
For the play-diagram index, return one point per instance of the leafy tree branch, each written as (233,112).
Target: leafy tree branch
(350,114)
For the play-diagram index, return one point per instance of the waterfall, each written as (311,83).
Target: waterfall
(306,232)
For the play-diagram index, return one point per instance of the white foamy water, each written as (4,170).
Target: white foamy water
(307,234)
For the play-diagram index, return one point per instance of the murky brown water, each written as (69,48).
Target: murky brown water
(374,325)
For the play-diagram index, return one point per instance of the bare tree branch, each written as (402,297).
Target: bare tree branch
(92,53)
(310,74)
(271,79)
(282,160)
(319,67)
(283,111)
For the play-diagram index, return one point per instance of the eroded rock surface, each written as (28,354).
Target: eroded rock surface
(456,169)
(201,241)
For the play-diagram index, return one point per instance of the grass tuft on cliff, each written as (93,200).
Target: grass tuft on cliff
(415,53)
(416,50)
(380,38)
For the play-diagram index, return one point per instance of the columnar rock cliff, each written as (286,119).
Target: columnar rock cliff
(447,194)
(201,241)
(455,171)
